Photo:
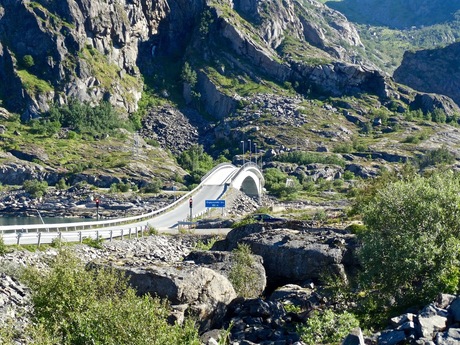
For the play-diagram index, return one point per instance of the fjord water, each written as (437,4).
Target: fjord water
(36,220)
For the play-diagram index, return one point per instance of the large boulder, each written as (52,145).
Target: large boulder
(204,292)
(292,254)
(223,262)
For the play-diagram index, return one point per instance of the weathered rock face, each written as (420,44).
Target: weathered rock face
(73,44)
(96,50)
(434,71)
(296,256)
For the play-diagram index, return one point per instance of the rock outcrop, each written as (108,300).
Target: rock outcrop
(294,254)
(432,71)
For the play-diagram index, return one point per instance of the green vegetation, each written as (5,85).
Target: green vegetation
(78,305)
(409,249)
(106,73)
(207,244)
(327,327)
(305,158)
(196,162)
(188,75)
(93,242)
(83,118)
(120,187)
(242,275)
(33,84)
(35,188)
(440,156)
(3,249)
(152,187)
(281,184)
(28,61)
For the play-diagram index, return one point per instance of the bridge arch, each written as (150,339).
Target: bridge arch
(249,179)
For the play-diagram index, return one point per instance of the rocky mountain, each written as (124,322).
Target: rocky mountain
(397,14)
(209,72)
(433,70)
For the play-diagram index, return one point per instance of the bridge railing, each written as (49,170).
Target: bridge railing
(39,238)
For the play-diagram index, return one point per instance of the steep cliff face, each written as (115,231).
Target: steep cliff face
(396,13)
(83,49)
(436,71)
(93,50)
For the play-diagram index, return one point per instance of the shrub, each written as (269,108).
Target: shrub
(3,249)
(84,118)
(93,242)
(348,175)
(242,274)
(409,251)
(35,188)
(61,184)
(120,187)
(280,184)
(305,158)
(152,187)
(28,61)
(74,304)
(436,157)
(327,328)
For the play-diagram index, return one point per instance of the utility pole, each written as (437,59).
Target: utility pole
(249,140)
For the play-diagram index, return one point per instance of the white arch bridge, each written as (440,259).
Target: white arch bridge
(214,185)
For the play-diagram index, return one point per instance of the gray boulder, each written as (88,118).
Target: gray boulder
(222,263)
(431,320)
(296,256)
(205,292)
(354,338)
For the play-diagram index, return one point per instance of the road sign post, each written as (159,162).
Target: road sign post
(190,204)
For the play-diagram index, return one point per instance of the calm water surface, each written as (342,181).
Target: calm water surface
(36,220)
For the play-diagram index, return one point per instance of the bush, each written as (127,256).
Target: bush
(28,61)
(409,251)
(74,304)
(242,274)
(120,187)
(61,184)
(35,188)
(327,328)
(153,187)
(435,157)
(83,118)
(93,242)
(3,249)
(280,184)
(305,158)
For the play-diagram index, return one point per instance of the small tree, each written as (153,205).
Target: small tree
(411,249)
(28,61)
(327,327)
(188,75)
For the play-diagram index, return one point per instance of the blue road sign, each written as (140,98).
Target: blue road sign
(214,203)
